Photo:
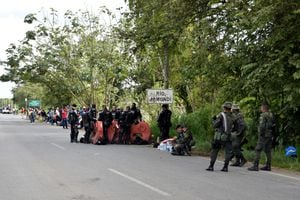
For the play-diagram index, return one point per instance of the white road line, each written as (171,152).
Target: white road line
(285,176)
(58,146)
(140,182)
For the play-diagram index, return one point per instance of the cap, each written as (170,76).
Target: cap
(227,105)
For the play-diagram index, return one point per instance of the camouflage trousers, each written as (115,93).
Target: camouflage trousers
(216,147)
(263,144)
(236,147)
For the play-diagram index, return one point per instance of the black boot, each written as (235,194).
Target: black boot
(210,167)
(267,167)
(243,161)
(254,167)
(237,163)
(225,168)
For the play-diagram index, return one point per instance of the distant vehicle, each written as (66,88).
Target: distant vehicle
(6,111)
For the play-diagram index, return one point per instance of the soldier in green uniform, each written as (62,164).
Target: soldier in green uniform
(223,124)
(265,127)
(237,136)
(183,141)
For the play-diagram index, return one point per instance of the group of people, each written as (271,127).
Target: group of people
(229,126)
(230,129)
(53,116)
(123,118)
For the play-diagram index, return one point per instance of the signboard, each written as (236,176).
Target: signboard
(34,103)
(160,96)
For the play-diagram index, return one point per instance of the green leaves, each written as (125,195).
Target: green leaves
(30,18)
(76,60)
(208,51)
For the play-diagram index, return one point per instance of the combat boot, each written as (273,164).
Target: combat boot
(210,167)
(254,167)
(267,167)
(225,168)
(243,161)
(236,163)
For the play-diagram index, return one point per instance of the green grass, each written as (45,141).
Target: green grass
(281,161)
(278,160)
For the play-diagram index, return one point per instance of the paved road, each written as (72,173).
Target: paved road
(37,162)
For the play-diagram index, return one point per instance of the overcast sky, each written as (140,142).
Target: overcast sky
(12,13)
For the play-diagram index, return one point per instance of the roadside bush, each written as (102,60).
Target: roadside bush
(199,123)
(154,130)
(280,160)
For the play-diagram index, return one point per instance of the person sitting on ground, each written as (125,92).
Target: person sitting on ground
(190,140)
(181,141)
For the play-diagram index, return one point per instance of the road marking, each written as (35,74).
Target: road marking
(282,175)
(58,146)
(140,182)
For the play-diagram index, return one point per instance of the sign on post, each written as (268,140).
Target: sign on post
(34,103)
(160,96)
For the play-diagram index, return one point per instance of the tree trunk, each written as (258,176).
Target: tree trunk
(166,68)
(92,97)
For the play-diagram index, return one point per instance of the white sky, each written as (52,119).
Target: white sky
(12,13)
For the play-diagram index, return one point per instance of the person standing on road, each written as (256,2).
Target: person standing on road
(265,134)
(136,114)
(106,117)
(86,121)
(115,112)
(32,115)
(125,121)
(64,116)
(93,117)
(51,116)
(73,119)
(164,122)
(223,124)
(237,136)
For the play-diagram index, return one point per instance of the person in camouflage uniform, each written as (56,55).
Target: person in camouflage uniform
(183,141)
(265,127)
(223,124)
(237,136)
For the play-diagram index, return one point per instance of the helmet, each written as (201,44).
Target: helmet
(235,107)
(227,105)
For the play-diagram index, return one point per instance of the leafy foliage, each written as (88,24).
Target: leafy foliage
(207,51)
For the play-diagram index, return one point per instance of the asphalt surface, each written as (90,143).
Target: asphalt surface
(37,162)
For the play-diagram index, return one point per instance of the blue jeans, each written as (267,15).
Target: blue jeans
(64,123)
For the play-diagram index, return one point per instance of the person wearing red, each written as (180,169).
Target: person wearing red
(64,116)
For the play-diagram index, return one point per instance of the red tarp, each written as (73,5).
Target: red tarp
(142,129)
